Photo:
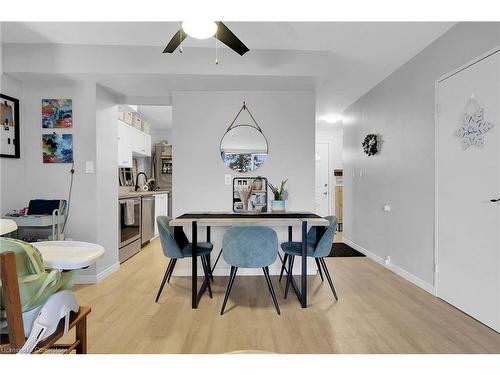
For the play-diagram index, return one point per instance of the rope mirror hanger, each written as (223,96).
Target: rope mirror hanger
(244,108)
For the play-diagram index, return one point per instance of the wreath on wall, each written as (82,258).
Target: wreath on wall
(370,144)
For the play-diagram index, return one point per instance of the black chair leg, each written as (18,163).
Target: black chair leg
(208,267)
(204,263)
(325,268)
(291,258)
(172,270)
(283,267)
(319,269)
(271,289)
(229,287)
(165,278)
(216,261)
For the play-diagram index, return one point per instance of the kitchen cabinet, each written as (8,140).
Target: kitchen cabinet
(131,142)
(141,144)
(161,208)
(124,145)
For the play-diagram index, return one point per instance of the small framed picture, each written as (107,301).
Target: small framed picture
(9,122)
(57,113)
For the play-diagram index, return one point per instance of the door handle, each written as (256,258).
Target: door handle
(495,200)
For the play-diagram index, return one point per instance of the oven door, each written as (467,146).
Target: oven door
(130,223)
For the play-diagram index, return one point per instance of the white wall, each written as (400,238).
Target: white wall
(287,120)
(12,187)
(93,213)
(107,178)
(401,109)
(158,135)
(334,137)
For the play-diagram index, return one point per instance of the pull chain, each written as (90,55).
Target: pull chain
(216,49)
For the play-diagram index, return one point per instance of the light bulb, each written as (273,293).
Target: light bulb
(332,118)
(199,29)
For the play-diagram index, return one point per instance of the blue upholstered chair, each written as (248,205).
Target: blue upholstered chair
(316,248)
(172,250)
(250,247)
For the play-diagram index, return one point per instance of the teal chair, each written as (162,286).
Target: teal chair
(250,247)
(172,250)
(317,249)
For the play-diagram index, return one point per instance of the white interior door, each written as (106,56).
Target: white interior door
(468,223)
(322,199)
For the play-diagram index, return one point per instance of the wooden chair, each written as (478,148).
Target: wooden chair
(11,343)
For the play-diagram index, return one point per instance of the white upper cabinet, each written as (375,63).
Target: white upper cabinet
(131,142)
(124,145)
(141,143)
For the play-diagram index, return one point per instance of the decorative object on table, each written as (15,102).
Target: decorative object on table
(244,193)
(246,198)
(278,204)
(243,147)
(257,183)
(473,126)
(57,148)
(370,144)
(57,113)
(9,122)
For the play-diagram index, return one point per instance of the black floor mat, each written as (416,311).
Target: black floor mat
(342,250)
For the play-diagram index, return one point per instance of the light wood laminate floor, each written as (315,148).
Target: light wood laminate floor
(378,312)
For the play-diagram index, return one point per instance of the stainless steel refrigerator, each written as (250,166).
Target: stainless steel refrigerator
(161,168)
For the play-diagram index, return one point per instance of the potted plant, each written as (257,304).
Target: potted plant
(257,183)
(278,204)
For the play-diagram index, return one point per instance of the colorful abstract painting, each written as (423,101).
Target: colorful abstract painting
(57,148)
(57,113)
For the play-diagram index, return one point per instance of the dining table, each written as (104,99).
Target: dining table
(227,219)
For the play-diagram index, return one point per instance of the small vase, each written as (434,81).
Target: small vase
(257,184)
(278,206)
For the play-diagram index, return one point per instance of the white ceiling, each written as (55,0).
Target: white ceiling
(159,117)
(324,36)
(357,55)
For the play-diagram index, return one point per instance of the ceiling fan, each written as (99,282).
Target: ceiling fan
(204,30)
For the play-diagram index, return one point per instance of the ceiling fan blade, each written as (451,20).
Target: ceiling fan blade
(227,37)
(175,41)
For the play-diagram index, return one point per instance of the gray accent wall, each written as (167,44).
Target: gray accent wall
(401,110)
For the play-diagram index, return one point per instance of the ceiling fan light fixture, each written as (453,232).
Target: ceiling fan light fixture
(199,29)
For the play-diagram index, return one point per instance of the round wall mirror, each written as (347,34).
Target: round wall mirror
(243,148)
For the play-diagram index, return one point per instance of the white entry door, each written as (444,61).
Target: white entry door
(322,199)
(468,223)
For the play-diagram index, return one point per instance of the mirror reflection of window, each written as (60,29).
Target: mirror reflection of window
(244,148)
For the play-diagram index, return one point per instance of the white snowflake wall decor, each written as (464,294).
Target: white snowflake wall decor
(473,127)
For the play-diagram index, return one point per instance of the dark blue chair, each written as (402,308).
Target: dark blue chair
(316,248)
(250,247)
(172,250)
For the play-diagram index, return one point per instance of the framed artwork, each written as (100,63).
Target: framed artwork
(57,113)
(57,148)
(9,122)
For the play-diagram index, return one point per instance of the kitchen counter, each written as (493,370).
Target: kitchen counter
(133,194)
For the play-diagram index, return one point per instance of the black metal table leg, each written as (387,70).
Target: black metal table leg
(290,231)
(304,265)
(208,256)
(194,270)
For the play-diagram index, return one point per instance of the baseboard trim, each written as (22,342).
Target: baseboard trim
(429,288)
(94,279)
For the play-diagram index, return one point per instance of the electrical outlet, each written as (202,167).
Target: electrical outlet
(227,179)
(387,260)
